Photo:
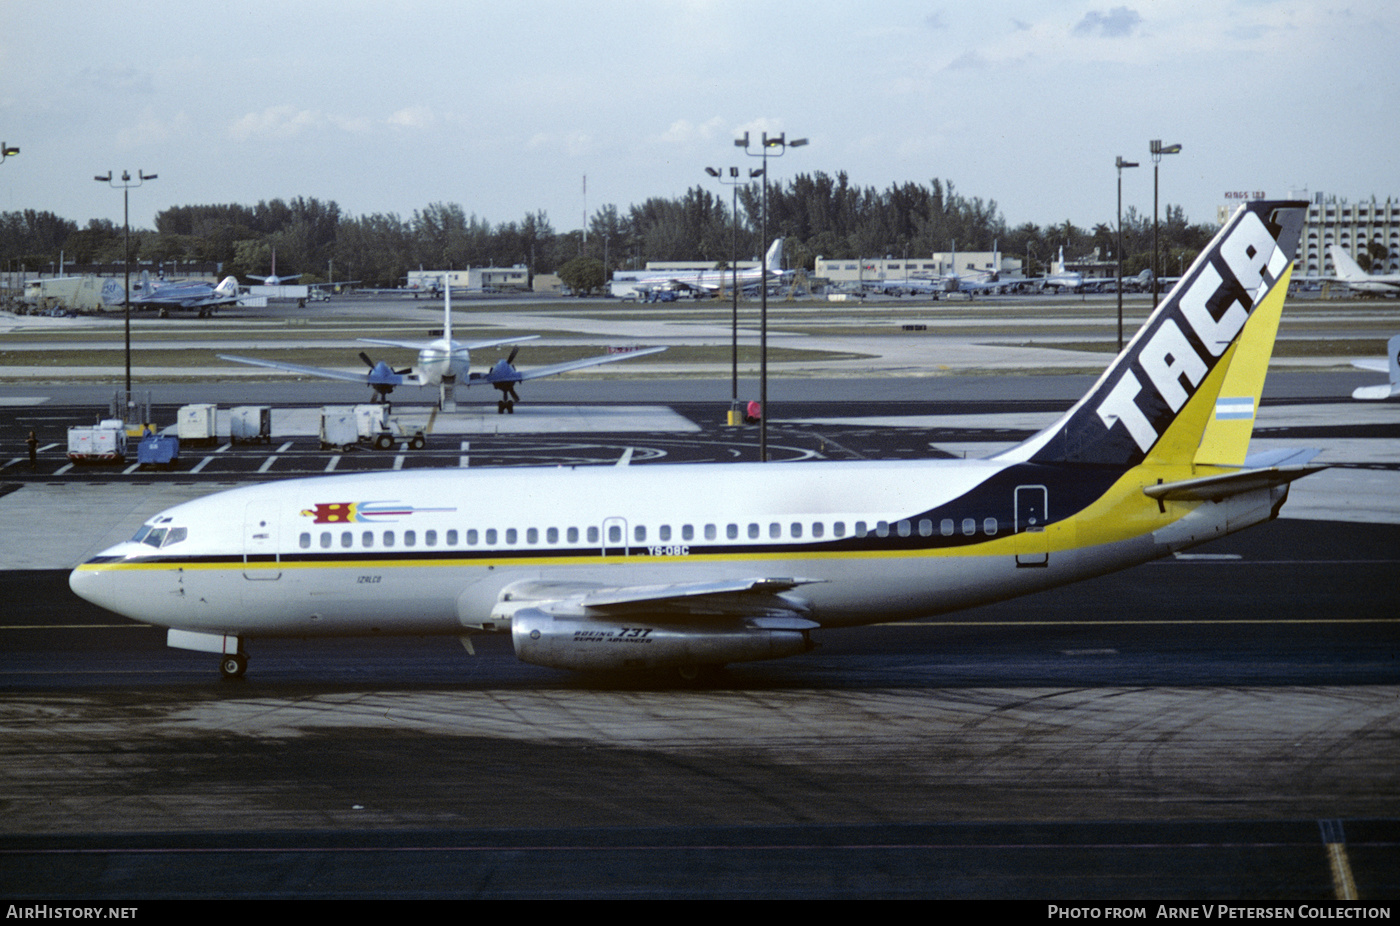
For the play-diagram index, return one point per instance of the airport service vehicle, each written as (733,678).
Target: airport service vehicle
(104,442)
(197,423)
(158,450)
(251,424)
(690,567)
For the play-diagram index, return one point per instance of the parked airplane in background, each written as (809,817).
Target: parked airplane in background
(177,294)
(1062,280)
(690,567)
(1350,273)
(1391,365)
(705,282)
(444,362)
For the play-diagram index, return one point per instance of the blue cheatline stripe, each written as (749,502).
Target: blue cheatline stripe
(1229,409)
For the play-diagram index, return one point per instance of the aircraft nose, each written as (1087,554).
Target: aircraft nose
(89,583)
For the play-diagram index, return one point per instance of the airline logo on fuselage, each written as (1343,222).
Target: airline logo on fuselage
(1175,356)
(362,512)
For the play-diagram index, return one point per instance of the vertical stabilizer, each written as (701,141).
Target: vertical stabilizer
(1158,397)
(773,260)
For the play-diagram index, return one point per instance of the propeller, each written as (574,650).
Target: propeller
(382,377)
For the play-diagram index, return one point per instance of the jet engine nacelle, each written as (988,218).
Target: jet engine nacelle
(586,644)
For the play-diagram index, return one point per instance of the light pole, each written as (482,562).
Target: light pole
(125,186)
(1157,149)
(1120,165)
(769,147)
(735,417)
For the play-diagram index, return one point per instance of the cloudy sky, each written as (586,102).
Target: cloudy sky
(504,108)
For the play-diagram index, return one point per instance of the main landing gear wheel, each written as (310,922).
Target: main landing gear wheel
(232,667)
(505,407)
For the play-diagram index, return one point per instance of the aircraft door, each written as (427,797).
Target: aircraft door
(1032,512)
(261,559)
(614,538)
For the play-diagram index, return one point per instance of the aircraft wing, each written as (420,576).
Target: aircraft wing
(504,373)
(1375,366)
(759,598)
(296,368)
(469,345)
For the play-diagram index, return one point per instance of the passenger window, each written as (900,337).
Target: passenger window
(969,526)
(664,532)
(451,540)
(925,527)
(860,530)
(551,535)
(710,532)
(882,528)
(903,528)
(367,539)
(796,530)
(614,533)
(511,536)
(989,526)
(687,532)
(325,540)
(490,536)
(592,535)
(946,527)
(532,535)
(838,529)
(305,541)
(817,529)
(732,532)
(409,538)
(430,538)
(471,536)
(640,533)
(572,535)
(775,531)
(347,540)
(753,531)
(388,538)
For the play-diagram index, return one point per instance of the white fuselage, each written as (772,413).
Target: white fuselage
(438,551)
(442,358)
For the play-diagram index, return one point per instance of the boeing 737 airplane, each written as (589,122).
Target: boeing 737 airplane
(1350,273)
(689,567)
(177,294)
(444,362)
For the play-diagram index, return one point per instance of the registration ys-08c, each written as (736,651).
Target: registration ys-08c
(689,567)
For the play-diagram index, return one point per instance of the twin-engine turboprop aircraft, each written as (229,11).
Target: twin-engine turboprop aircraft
(691,567)
(445,362)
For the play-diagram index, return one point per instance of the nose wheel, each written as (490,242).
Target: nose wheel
(233,666)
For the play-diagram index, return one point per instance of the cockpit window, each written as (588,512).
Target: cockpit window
(175,536)
(155,537)
(141,533)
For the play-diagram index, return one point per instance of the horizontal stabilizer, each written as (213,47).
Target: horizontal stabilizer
(1215,488)
(1376,393)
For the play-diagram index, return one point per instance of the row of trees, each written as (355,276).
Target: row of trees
(817,214)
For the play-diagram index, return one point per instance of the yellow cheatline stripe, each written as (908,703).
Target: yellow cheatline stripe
(1343,884)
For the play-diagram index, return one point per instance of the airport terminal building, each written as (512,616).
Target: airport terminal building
(1353,226)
